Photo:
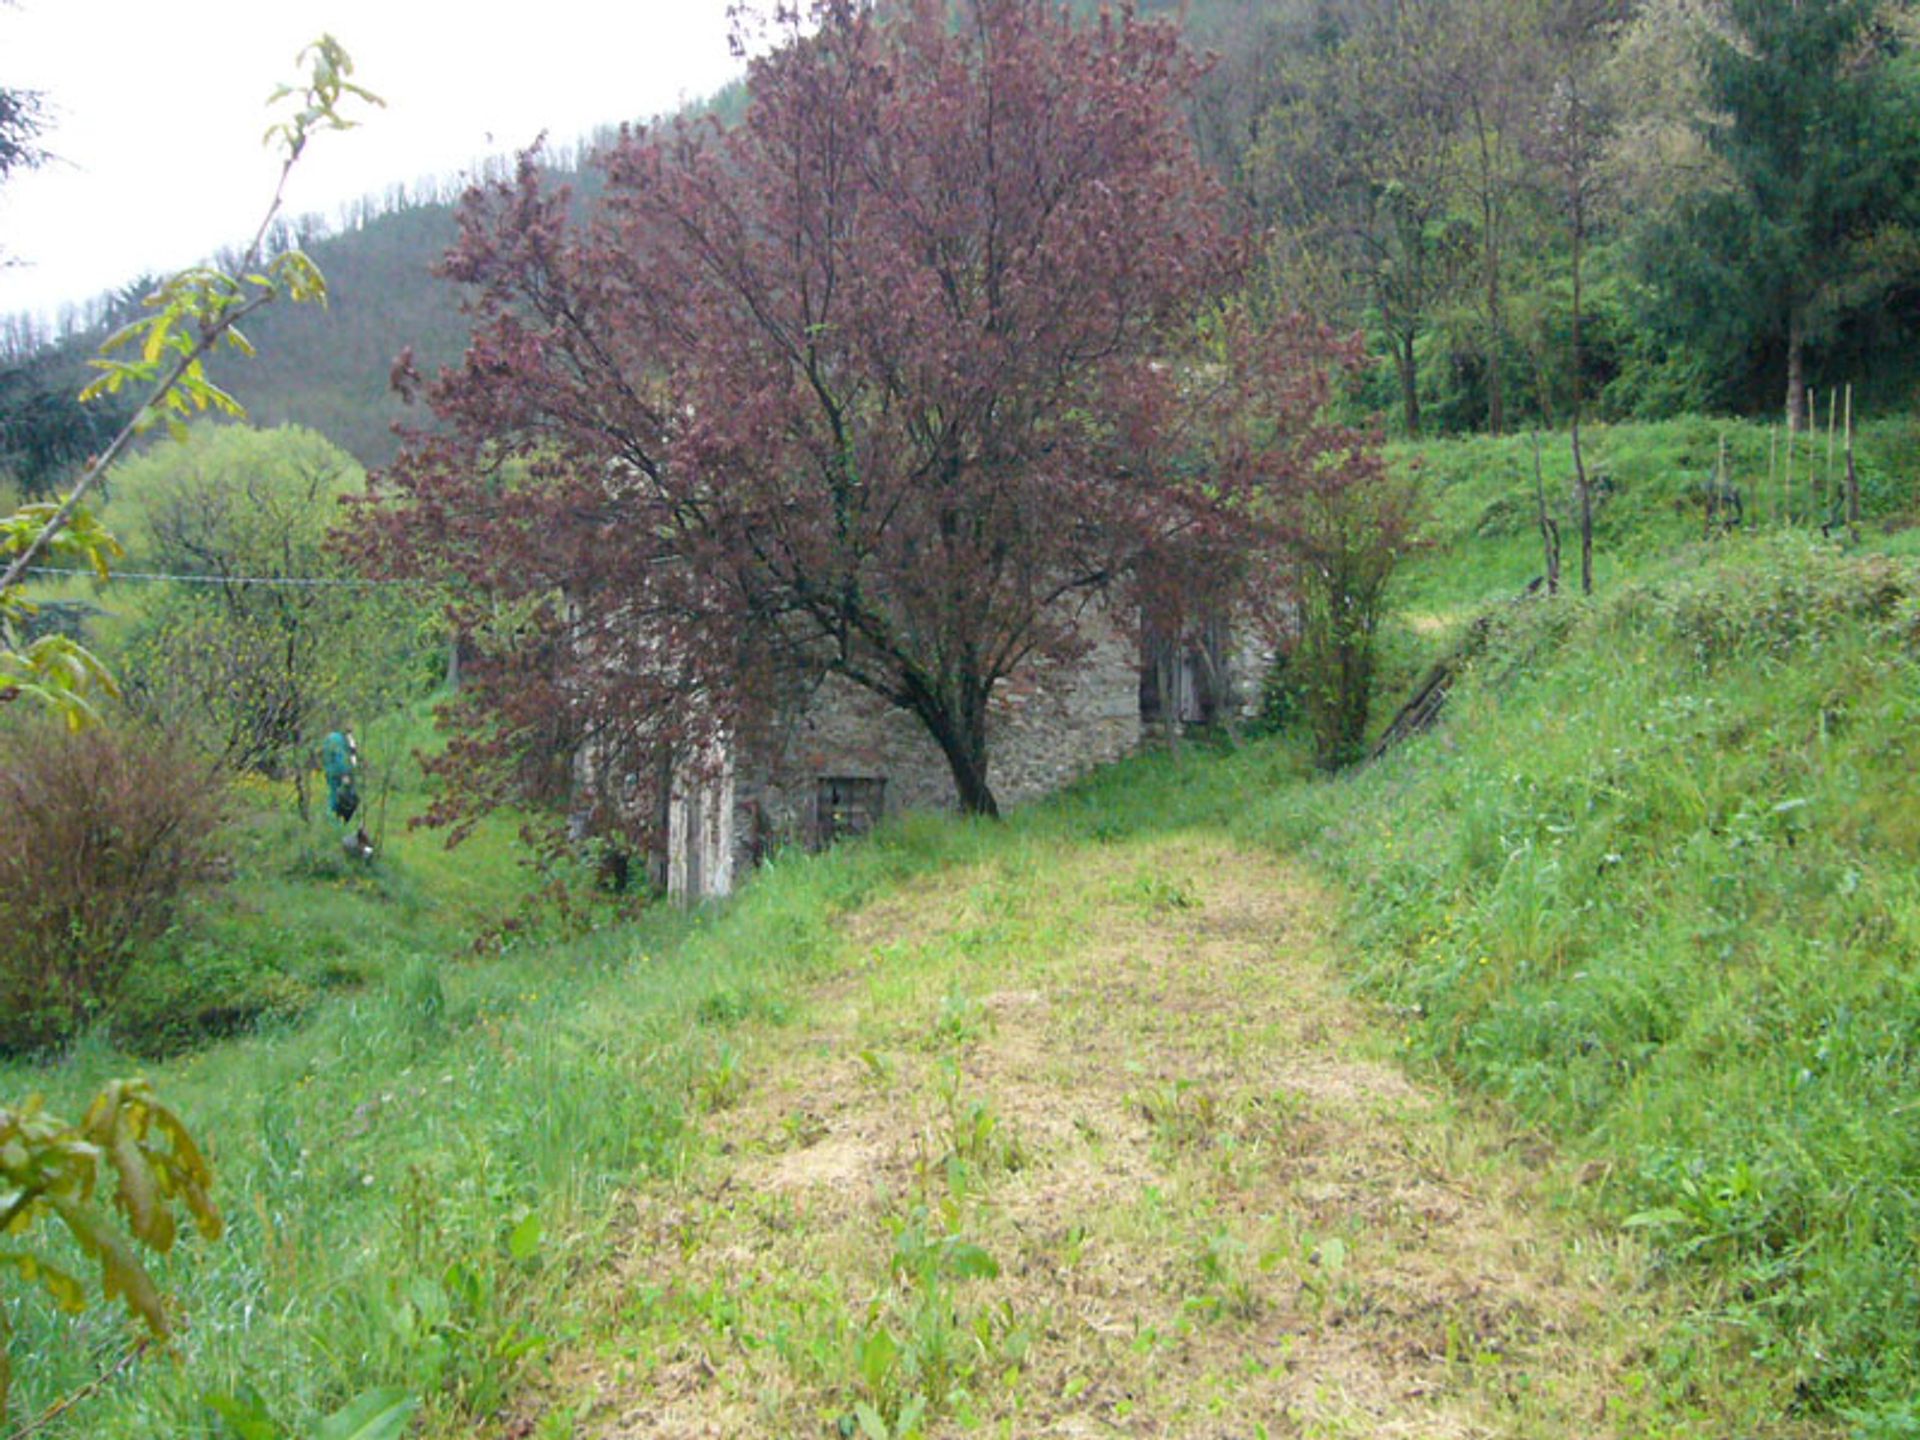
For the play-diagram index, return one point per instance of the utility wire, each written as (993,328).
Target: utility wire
(290,582)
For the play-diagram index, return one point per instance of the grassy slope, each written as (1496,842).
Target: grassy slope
(1654,882)
(1653,885)
(296,919)
(373,1159)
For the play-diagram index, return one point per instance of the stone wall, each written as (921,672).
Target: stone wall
(1047,726)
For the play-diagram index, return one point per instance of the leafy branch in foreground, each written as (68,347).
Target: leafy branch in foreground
(191,314)
(51,1171)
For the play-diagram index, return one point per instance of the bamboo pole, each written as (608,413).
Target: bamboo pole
(1812,437)
(1719,496)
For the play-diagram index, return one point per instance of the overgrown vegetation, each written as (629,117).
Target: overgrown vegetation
(469,1127)
(1658,894)
(264,640)
(1651,885)
(132,820)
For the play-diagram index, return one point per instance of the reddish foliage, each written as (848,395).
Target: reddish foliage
(102,834)
(884,382)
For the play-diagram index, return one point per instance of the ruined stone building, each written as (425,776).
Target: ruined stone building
(841,758)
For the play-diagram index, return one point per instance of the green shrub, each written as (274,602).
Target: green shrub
(101,835)
(183,992)
(1280,698)
(1349,539)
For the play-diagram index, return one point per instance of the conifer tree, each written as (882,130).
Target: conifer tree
(1814,116)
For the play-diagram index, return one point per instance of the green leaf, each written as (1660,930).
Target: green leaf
(148,1219)
(375,1415)
(966,1261)
(245,1414)
(871,1425)
(877,1353)
(121,1273)
(525,1239)
(1651,1219)
(1332,1255)
(68,1293)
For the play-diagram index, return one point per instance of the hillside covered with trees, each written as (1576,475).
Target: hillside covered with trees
(1720,192)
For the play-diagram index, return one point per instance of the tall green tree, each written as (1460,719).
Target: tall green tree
(271,641)
(1572,125)
(1501,65)
(1362,161)
(1812,110)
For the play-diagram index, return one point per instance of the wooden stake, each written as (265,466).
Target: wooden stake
(1773,456)
(1786,480)
(1549,531)
(1853,479)
(1718,498)
(1820,492)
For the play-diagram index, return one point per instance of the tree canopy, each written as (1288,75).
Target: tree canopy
(875,383)
(269,641)
(1817,122)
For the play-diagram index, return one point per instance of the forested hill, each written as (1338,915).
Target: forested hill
(1632,208)
(327,368)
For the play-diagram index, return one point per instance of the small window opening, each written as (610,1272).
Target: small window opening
(847,805)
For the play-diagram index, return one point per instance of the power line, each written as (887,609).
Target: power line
(288,582)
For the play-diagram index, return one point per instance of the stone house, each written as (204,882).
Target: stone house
(840,758)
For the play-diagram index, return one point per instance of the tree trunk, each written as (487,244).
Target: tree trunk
(1404,362)
(962,738)
(1549,531)
(1581,488)
(1496,328)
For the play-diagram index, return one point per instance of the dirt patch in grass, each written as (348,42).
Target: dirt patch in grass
(1106,1153)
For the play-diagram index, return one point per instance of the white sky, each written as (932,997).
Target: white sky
(159,105)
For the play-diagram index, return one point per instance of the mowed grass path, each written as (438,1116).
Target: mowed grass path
(1086,1140)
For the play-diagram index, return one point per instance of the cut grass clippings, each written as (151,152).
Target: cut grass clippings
(1103,1149)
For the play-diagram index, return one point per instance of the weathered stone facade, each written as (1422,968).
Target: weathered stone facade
(842,757)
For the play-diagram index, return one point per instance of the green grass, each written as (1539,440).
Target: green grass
(296,918)
(1482,539)
(376,1160)
(1654,884)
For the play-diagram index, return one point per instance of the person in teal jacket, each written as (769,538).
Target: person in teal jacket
(340,759)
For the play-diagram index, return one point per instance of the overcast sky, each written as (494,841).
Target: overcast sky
(158,110)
